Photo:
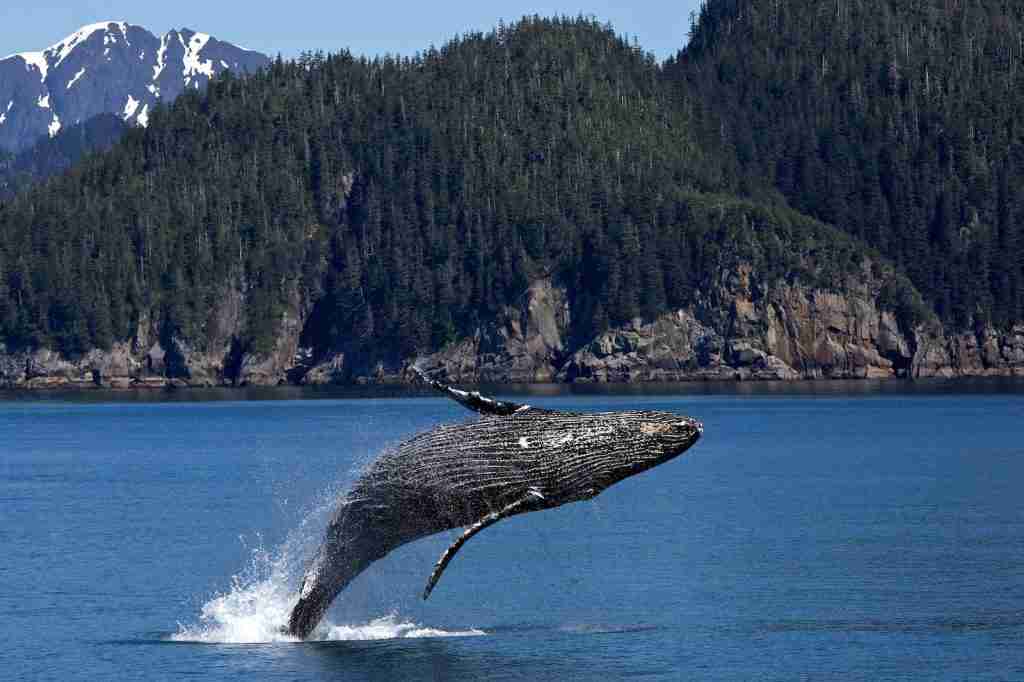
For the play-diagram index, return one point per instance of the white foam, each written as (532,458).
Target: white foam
(389,627)
(54,126)
(249,613)
(143,117)
(256,608)
(44,101)
(256,611)
(245,618)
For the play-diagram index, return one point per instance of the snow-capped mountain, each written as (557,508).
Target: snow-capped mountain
(109,67)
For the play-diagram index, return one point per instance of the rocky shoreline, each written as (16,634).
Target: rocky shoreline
(739,329)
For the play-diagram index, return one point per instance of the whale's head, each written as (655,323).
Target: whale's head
(643,440)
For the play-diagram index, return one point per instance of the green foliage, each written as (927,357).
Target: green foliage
(896,121)
(408,198)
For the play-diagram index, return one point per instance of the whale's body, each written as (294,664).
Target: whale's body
(512,460)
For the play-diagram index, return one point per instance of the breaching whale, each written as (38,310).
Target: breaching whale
(512,460)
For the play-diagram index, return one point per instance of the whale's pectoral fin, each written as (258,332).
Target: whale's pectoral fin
(532,498)
(472,399)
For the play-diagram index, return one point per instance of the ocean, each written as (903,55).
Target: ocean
(846,530)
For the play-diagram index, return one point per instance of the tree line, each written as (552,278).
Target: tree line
(409,198)
(898,122)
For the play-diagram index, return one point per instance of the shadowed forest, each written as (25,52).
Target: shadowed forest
(412,198)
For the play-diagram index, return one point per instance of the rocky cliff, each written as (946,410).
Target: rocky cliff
(155,358)
(740,328)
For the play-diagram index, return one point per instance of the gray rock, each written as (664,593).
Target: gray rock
(739,328)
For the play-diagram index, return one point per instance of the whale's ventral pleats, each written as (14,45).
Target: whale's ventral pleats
(512,460)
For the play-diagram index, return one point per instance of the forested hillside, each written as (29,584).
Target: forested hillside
(899,122)
(415,196)
(373,210)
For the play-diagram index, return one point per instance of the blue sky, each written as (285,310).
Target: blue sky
(364,27)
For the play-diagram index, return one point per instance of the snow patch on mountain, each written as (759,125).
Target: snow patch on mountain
(132,79)
(74,80)
(130,106)
(160,55)
(37,60)
(64,48)
(191,61)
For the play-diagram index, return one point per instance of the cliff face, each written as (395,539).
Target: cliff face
(524,344)
(152,358)
(740,328)
(984,352)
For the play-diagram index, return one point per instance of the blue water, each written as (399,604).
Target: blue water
(854,533)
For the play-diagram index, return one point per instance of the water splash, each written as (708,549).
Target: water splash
(256,607)
(388,627)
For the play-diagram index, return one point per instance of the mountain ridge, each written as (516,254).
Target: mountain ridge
(107,67)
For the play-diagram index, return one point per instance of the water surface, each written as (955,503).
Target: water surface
(819,530)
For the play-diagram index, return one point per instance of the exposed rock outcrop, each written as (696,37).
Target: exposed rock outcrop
(984,352)
(525,344)
(154,358)
(273,368)
(739,328)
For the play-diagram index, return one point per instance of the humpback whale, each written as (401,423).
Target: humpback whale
(512,460)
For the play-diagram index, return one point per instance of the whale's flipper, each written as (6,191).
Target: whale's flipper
(472,399)
(532,497)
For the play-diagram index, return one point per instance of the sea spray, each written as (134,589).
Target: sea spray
(256,607)
(258,613)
